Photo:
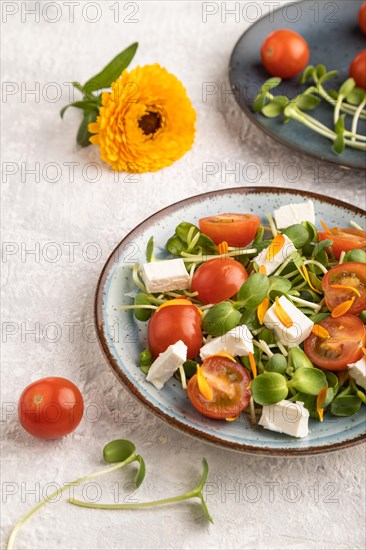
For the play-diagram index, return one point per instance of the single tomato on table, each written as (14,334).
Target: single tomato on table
(236,229)
(357,69)
(226,393)
(285,53)
(344,240)
(218,279)
(344,345)
(171,323)
(50,408)
(344,282)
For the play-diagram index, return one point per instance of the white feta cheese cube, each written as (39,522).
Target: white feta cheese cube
(294,335)
(286,417)
(238,341)
(273,264)
(166,364)
(358,372)
(294,213)
(165,275)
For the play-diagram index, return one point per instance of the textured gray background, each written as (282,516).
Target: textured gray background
(315,502)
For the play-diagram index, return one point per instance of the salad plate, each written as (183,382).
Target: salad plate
(122,337)
(332,33)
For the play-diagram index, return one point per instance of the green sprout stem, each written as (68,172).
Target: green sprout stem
(345,107)
(337,109)
(61,490)
(356,118)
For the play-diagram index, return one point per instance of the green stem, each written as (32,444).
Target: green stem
(137,505)
(347,108)
(338,108)
(356,117)
(21,522)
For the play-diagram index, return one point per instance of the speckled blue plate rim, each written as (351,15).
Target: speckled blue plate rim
(161,411)
(270,131)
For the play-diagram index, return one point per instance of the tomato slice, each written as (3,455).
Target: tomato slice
(229,382)
(170,324)
(344,345)
(218,279)
(344,282)
(343,239)
(235,229)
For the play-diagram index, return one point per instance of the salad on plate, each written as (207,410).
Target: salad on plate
(264,320)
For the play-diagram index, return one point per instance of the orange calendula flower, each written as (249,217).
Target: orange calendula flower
(146,122)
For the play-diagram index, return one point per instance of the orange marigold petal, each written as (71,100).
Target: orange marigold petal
(320,400)
(283,315)
(275,246)
(347,288)
(203,385)
(223,248)
(320,331)
(176,302)
(262,309)
(342,308)
(304,271)
(262,270)
(94,139)
(325,227)
(252,363)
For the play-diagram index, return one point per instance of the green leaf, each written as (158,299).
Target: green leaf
(253,291)
(183,229)
(83,134)
(221,318)
(278,284)
(307,74)
(175,245)
(258,236)
(270,84)
(88,106)
(111,71)
(269,387)
(142,314)
(339,125)
(311,229)
(309,381)
(190,369)
(206,245)
(321,70)
(258,103)
(363,316)
(250,319)
(272,110)
(318,317)
(277,363)
(118,450)
(356,97)
(339,144)
(328,76)
(141,472)
(356,255)
(307,102)
(345,405)
(320,246)
(347,87)
(267,336)
(298,234)
(299,358)
(150,249)
(332,380)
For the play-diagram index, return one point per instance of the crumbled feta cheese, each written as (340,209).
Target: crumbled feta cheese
(238,341)
(162,276)
(271,265)
(294,335)
(166,364)
(294,213)
(358,372)
(286,417)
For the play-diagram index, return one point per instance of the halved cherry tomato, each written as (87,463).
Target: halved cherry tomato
(235,229)
(352,277)
(285,53)
(362,17)
(343,239)
(218,280)
(357,69)
(50,408)
(229,382)
(344,346)
(173,323)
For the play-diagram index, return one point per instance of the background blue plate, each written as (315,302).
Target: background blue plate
(122,338)
(332,32)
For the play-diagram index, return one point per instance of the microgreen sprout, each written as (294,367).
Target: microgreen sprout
(348,101)
(120,453)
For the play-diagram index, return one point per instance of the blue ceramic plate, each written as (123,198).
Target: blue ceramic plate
(331,30)
(122,338)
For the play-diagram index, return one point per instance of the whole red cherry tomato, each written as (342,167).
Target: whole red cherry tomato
(50,408)
(357,69)
(285,53)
